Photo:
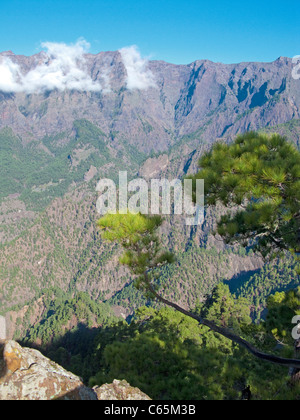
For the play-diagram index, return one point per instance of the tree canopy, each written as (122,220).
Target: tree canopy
(144,257)
(137,234)
(258,176)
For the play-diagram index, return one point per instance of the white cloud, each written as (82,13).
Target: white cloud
(10,76)
(63,67)
(138,74)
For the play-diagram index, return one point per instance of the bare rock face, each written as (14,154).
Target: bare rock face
(91,173)
(154,166)
(119,390)
(2,328)
(219,99)
(25,374)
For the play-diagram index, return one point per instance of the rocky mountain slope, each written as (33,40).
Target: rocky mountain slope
(52,137)
(153,120)
(219,99)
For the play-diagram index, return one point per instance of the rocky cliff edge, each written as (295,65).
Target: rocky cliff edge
(25,374)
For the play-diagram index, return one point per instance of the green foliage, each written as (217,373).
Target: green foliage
(19,167)
(43,170)
(67,329)
(137,235)
(65,310)
(277,276)
(171,357)
(128,228)
(196,271)
(282,307)
(223,308)
(166,354)
(290,130)
(262,174)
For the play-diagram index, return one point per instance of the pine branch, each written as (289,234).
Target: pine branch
(225,332)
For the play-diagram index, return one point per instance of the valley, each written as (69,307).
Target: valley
(57,276)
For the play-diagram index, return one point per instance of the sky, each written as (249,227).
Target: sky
(175,31)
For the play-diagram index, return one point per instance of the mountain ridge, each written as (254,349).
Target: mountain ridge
(55,145)
(184,99)
(89,54)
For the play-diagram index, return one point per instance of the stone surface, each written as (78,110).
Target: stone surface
(25,374)
(2,328)
(119,390)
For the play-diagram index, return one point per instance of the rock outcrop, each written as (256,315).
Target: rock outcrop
(119,390)
(2,328)
(25,374)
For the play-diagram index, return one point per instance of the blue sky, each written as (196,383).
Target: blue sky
(175,31)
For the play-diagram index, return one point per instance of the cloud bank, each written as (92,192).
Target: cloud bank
(138,74)
(62,67)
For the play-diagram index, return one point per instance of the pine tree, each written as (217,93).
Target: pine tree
(259,177)
(144,257)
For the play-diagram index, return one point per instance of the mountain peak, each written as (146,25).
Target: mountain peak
(7,53)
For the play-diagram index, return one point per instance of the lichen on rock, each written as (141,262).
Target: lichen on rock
(25,374)
(119,390)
